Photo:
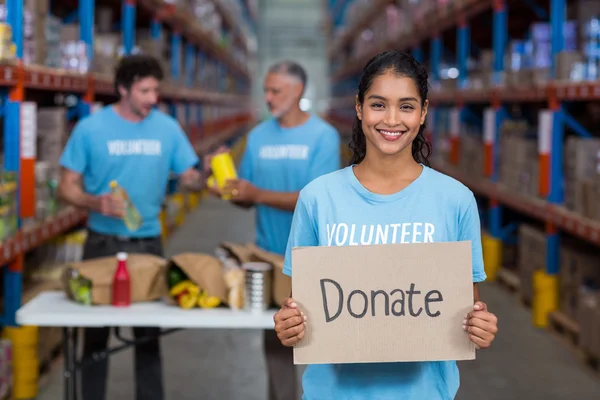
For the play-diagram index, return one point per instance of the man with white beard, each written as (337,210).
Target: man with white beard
(283,154)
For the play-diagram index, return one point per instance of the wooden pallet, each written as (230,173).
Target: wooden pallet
(511,282)
(508,280)
(567,331)
(565,328)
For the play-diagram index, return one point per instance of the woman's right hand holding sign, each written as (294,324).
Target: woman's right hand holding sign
(289,323)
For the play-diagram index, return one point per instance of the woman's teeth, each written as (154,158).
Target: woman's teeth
(389,133)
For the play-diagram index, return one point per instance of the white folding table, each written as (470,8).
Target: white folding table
(55,309)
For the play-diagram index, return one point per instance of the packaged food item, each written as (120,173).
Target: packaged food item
(79,288)
(223,169)
(132,218)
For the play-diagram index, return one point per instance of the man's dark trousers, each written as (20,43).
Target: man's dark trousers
(148,364)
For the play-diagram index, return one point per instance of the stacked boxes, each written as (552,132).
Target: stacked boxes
(579,281)
(53,52)
(51,133)
(589,323)
(582,176)
(73,51)
(532,257)
(519,169)
(579,275)
(471,156)
(34,40)
(106,52)
(580,292)
(51,139)
(588,15)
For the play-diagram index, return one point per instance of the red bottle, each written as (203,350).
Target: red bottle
(121,295)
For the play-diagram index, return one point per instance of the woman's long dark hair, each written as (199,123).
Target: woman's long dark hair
(402,64)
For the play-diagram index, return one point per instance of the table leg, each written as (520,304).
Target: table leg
(69,375)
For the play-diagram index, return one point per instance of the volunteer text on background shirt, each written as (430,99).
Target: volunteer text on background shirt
(337,210)
(139,156)
(285,160)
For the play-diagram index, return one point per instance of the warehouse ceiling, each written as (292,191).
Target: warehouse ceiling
(294,29)
(289,26)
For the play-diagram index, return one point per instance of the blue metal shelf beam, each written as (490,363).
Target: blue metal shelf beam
(86,35)
(15,19)
(499,41)
(155,29)
(417,53)
(13,278)
(436,58)
(128,26)
(176,55)
(464,51)
(190,59)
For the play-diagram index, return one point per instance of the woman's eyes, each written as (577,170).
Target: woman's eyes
(402,107)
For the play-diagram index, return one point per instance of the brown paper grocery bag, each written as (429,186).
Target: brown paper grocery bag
(205,271)
(242,252)
(147,273)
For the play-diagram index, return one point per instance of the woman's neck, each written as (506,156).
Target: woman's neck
(387,174)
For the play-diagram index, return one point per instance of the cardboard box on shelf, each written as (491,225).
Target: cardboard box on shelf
(582,177)
(589,189)
(579,273)
(51,133)
(519,170)
(471,159)
(532,257)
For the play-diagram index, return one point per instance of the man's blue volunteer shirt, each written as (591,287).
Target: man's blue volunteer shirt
(285,160)
(139,156)
(337,210)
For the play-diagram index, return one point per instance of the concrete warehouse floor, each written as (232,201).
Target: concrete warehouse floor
(524,363)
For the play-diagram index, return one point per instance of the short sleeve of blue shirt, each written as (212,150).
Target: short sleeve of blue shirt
(184,156)
(75,153)
(303,232)
(469,229)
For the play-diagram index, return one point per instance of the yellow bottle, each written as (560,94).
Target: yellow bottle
(132,218)
(223,169)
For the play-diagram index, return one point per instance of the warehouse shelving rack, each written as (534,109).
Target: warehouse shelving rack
(17,79)
(452,23)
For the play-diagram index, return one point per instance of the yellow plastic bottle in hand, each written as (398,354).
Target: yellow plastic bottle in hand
(132,218)
(223,169)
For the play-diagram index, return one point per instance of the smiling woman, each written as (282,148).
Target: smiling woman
(390,196)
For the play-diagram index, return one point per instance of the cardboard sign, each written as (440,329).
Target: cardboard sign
(383,303)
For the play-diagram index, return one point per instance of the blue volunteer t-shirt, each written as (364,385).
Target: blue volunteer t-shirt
(333,211)
(285,160)
(139,156)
